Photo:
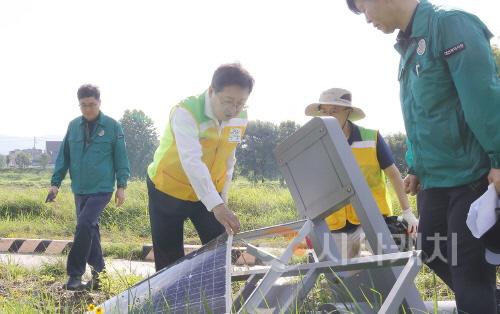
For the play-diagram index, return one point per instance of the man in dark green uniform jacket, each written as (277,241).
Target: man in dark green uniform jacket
(94,152)
(450,98)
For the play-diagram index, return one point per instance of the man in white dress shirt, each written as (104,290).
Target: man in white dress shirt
(193,166)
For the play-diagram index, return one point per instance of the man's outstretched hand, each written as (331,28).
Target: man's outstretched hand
(494,177)
(411,184)
(119,197)
(227,218)
(51,196)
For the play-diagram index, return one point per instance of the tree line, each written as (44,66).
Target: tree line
(255,154)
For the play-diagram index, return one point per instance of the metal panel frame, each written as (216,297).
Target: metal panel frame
(277,268)
(323,176)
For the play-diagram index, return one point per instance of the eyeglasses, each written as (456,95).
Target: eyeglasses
(88,106)
(227,103)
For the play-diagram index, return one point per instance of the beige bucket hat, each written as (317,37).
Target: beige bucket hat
(338,97)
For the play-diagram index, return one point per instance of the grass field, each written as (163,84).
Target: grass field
(24,214)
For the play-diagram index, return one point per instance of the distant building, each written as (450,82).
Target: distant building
(34,154)
(52,149)
(11,158)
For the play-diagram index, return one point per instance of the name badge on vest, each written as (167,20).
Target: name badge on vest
(234,135)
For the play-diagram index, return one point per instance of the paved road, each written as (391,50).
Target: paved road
(119,266)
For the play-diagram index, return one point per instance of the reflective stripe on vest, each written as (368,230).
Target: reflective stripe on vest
(365,153)
(166,170)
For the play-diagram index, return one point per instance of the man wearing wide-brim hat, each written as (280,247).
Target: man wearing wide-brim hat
(375,160)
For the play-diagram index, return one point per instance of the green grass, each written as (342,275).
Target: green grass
(431,287)
(25,290)
(34,291)
(260,205)
(25,215)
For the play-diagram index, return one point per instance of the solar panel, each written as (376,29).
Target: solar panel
(198,283)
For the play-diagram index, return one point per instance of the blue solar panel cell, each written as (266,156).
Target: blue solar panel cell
(198,283)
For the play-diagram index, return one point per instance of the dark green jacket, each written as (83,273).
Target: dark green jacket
(95,167)
(450,96)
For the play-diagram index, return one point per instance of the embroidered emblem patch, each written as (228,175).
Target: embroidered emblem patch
(234,135)
(101,133)
(421,47)
(453,50)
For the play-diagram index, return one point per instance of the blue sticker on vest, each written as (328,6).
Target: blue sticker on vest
(453,50)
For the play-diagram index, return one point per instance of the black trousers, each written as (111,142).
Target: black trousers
(86,246)
(452,251)
(167,215)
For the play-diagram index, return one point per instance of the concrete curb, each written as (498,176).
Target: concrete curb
(14,245)
(53,247)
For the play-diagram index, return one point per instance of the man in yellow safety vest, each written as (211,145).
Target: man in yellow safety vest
(193,166)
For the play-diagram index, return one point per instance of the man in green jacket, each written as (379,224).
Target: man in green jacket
(450,98)
(94,152)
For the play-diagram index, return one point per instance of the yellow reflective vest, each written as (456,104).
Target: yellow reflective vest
(166,170)
(365,153)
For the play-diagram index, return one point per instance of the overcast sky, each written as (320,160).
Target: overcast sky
(148,55)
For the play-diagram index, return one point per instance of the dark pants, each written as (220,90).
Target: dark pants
(87,242)
(452,252)
(167,215)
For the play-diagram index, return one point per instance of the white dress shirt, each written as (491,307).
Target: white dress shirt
(186,134)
